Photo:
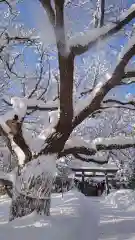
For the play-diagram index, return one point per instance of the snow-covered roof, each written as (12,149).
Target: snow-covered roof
(96,168)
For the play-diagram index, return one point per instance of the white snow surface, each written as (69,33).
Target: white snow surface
(84,38)
(75,217)
(117,216)
(20,154)
(19,106)
(53,119)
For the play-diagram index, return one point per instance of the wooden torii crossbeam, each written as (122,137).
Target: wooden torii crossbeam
(106,170)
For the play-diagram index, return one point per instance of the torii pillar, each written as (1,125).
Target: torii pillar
(107,184)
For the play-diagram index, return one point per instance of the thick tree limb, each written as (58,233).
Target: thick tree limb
(66,68)
(99,95)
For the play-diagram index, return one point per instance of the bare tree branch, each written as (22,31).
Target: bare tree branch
(93,84)
(36,107)
(114,101)
(10,66)
(16,39)
(49,78)
(7,3)
(40,75)
(114,106)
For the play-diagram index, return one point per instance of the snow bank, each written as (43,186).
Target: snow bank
(121,199)
(73,217)
(117,216)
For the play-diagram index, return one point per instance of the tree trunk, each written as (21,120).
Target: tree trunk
(24,205)
(32,192)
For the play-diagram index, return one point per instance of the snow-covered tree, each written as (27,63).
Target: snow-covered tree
(36,155)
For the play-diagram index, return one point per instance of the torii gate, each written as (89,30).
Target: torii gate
(92,170)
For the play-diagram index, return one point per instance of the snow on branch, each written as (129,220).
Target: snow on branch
(11,128)
(82,42)
(129,74)
(48,7)
(34,104)
(120,103)
(118,142)
(8,178)
(81,149)
(127,47)
(82,104)
(92,159)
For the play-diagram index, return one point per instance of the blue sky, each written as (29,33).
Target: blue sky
(33,16)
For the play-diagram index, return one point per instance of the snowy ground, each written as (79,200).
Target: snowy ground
(75,217)
(117,216)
